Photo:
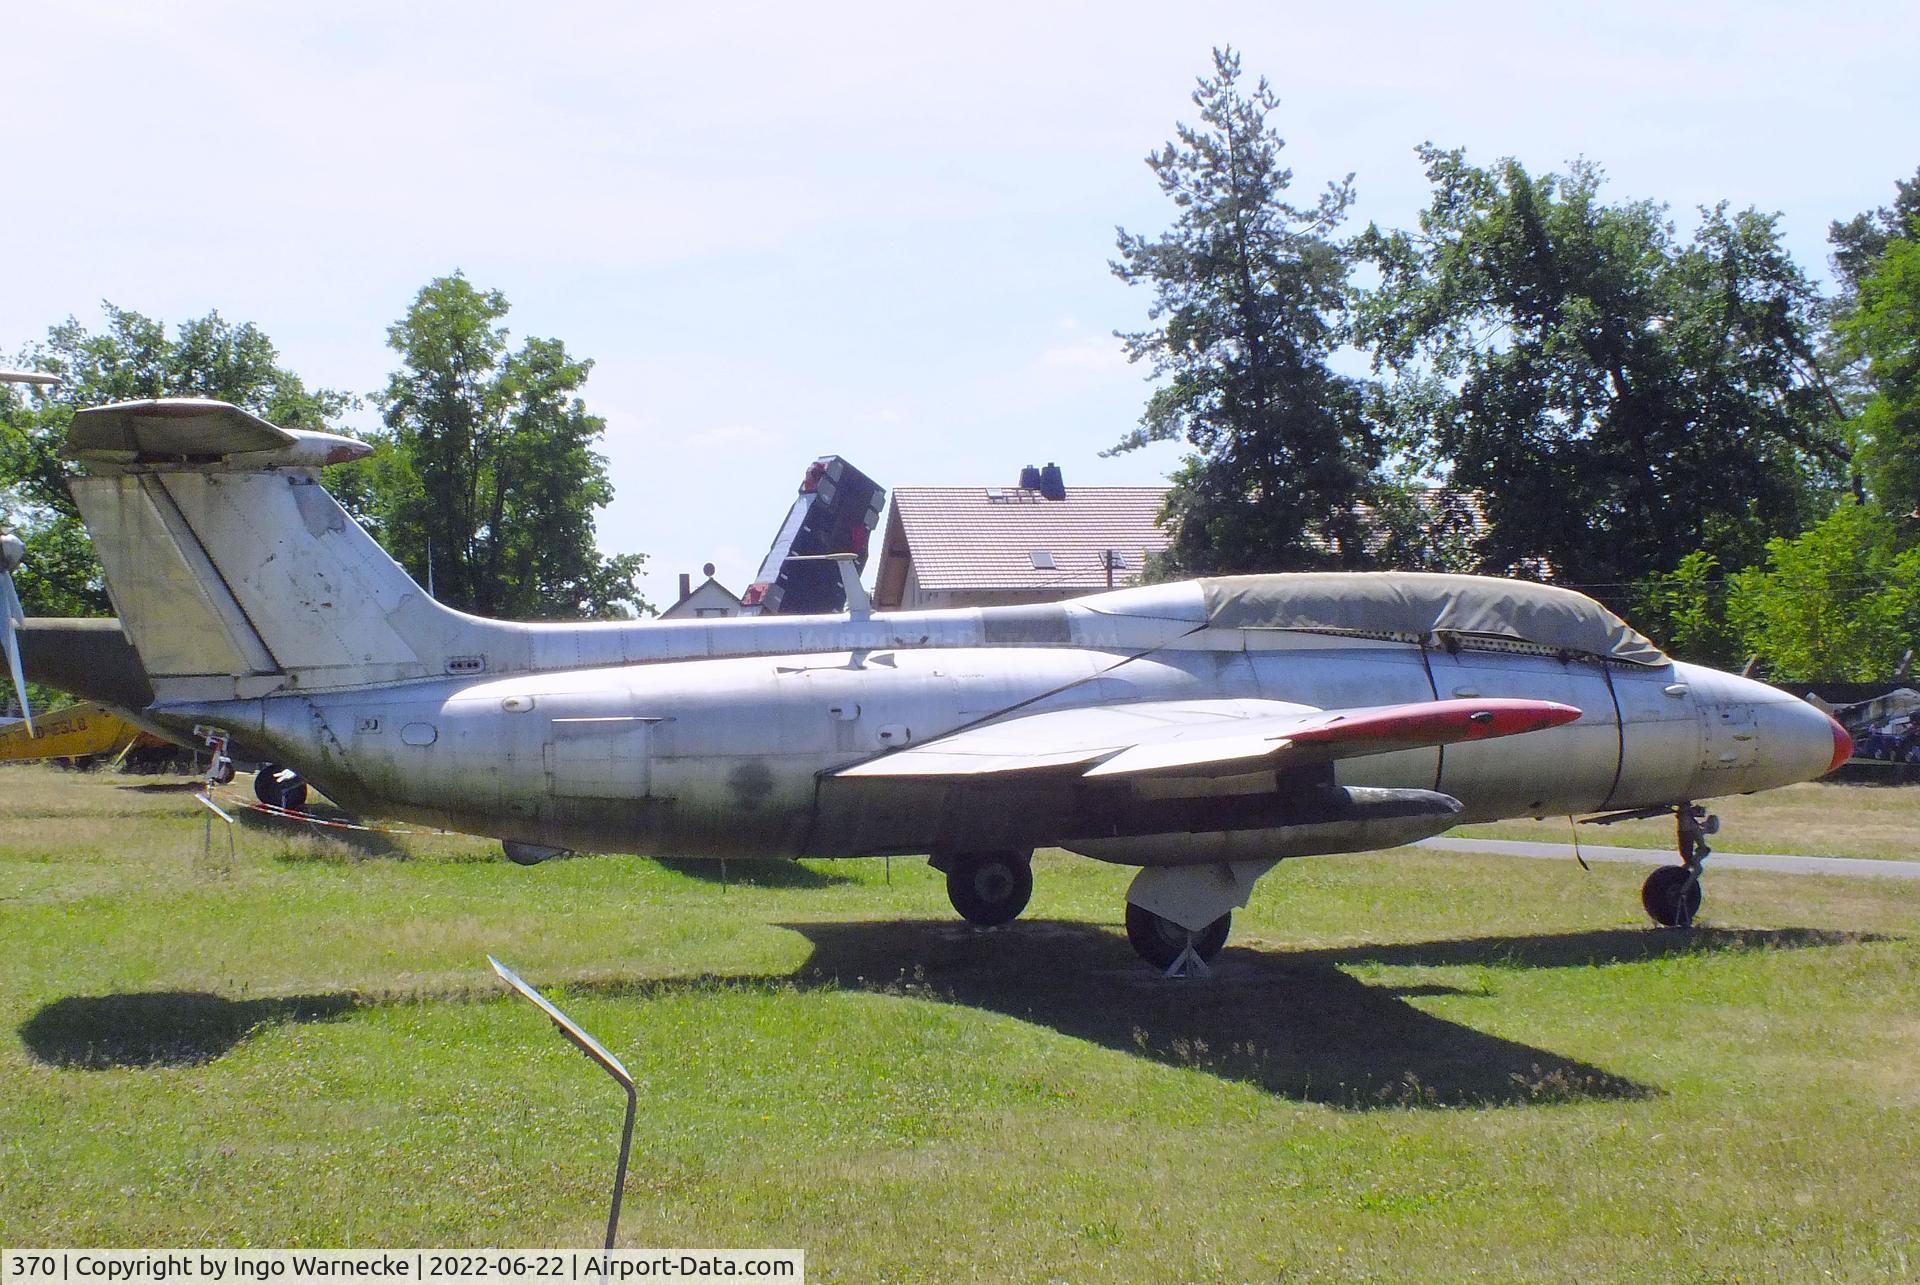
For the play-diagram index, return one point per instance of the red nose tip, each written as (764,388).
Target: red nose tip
(1842,744)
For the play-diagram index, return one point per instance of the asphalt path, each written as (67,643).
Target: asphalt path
(1777,862)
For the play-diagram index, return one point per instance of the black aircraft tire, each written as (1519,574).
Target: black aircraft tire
(1671,895)
(1159,941)
(990,888)
(276,793)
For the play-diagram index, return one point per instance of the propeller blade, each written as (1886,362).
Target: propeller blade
(11,618)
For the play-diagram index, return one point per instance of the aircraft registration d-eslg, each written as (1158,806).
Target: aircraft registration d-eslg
(1201,731)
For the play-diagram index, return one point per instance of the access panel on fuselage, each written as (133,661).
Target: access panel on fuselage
(1555,772)
(1660,734)
(599,758)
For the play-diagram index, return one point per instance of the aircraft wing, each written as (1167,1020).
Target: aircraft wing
(1206,737)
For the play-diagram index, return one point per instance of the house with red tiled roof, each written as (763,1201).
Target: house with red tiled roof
(977,546)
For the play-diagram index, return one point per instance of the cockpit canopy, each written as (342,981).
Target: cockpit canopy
(1418,606)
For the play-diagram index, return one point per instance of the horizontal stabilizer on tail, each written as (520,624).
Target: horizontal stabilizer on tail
(193,428)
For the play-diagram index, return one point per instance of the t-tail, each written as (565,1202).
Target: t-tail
(234,573)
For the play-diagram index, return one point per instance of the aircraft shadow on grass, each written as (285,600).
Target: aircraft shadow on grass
(161,1028)
(754,874)
(1294,1023)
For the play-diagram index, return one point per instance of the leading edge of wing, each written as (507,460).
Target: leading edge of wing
(1208,737)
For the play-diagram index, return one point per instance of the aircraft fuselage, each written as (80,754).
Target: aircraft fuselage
(730,756)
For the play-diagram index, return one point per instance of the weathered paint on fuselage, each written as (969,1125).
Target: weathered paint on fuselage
(699,752)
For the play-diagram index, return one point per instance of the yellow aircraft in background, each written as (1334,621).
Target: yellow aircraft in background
(84,731)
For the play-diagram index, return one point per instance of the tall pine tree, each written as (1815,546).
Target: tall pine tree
(1250,300)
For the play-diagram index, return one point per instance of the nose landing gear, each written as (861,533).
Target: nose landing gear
(1671,894)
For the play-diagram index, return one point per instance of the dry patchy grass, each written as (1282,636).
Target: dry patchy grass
(1814,818)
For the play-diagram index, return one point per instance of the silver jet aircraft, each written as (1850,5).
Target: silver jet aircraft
(1200,731)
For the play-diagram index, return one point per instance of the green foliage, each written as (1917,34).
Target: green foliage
(132,357)
(1838,603)
(1617,397)
(1881,331)
(1859,242)
(1250,297)
(490,464)
(1685,610)
(1423,528)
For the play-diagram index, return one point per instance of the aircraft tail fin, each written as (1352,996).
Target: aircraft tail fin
(234,573)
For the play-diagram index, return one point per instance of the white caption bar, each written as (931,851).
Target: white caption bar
(303,1266)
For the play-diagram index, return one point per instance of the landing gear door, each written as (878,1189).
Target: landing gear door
(600,758)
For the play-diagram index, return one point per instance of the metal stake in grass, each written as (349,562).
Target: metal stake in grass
(607,1062)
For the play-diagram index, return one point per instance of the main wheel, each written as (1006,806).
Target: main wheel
(1160,941)
(989,888)
(277,787)
(1671,895)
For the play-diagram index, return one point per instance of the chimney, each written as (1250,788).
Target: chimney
(1029,478)
(686,586)
(1052,486)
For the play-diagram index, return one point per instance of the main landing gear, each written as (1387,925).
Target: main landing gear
(987,888)
(992,888)
(1161,942)
(279,787)
(1671,894)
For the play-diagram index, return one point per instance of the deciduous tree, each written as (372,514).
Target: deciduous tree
(1617,396)
(492,465)
(131,357)
(1879,333)
(1839,602)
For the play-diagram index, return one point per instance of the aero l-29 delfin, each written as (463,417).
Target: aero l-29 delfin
(1201,731)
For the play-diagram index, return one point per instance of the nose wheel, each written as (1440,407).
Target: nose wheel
(1672,894)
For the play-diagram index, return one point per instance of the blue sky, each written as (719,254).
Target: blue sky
(785,230)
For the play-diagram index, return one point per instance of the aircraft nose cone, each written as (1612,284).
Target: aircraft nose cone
(1842,744)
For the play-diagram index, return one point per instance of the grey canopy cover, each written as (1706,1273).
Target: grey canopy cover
(1420,604)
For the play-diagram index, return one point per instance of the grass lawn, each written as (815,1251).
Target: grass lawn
(1409,1065)
(1814,819)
